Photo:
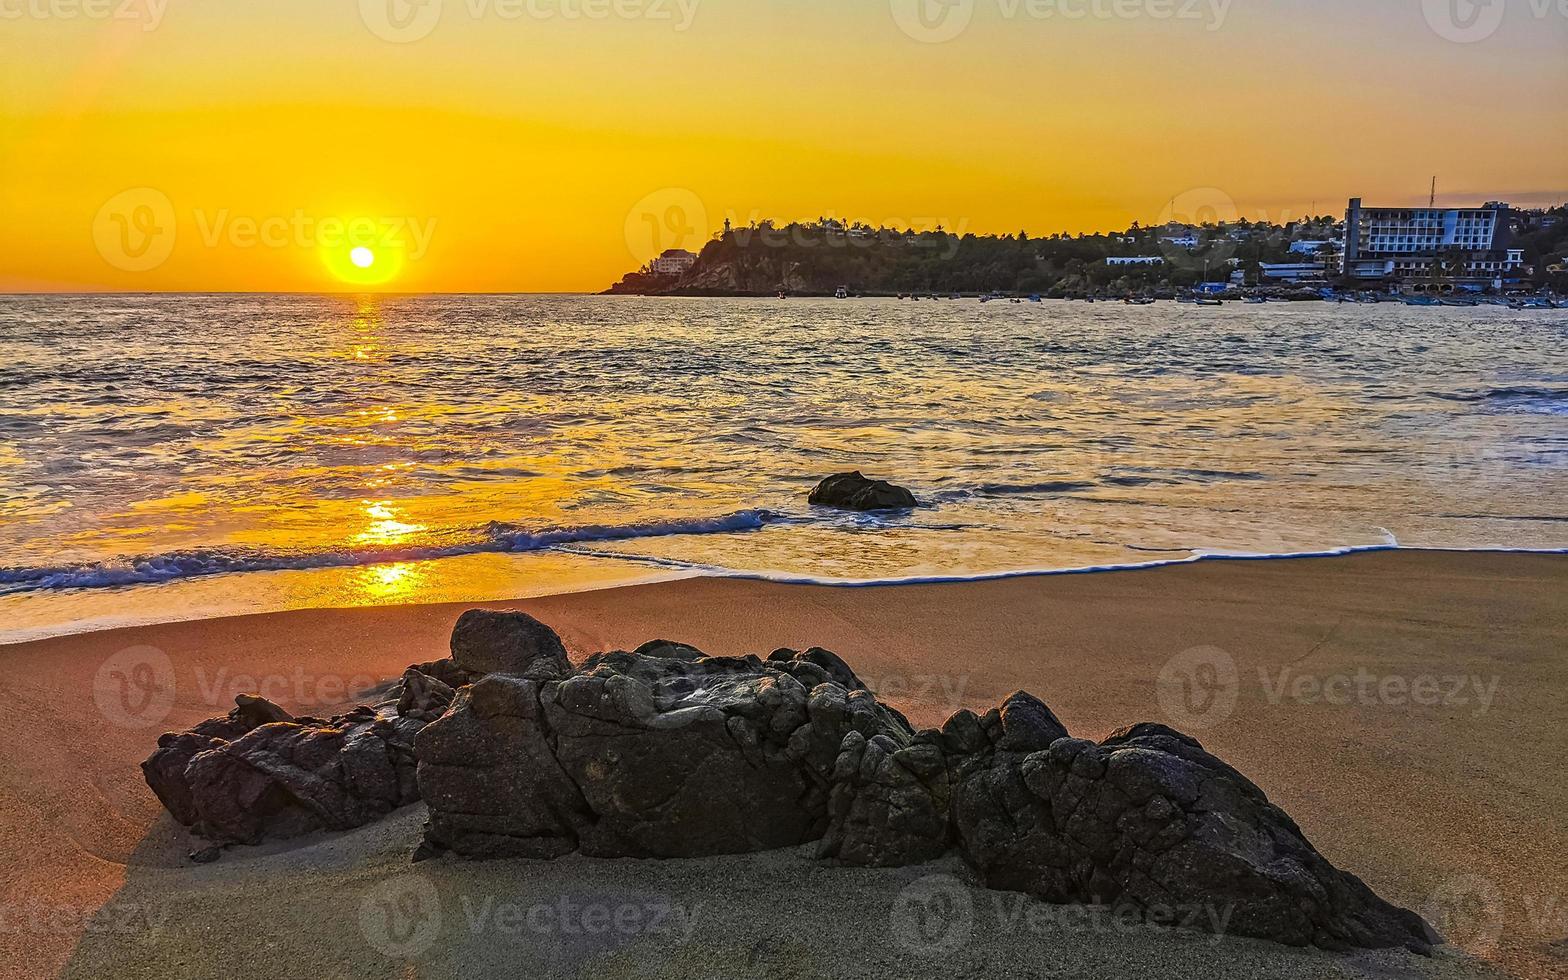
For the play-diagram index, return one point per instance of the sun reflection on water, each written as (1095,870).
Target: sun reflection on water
(385,528)
(382,583)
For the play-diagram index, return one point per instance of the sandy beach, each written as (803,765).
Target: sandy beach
(1404,707)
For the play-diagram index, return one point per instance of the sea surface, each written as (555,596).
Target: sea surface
(175,457)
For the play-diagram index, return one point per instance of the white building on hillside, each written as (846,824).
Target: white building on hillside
(673,262)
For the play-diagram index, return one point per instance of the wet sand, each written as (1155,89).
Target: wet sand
(1404,707)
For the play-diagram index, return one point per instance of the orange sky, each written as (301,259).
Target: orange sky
(535,145)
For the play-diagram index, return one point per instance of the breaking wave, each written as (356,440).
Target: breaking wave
(497,538)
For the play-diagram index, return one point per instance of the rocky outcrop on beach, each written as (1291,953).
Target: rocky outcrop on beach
(852,491)
(259,773)
(664,752)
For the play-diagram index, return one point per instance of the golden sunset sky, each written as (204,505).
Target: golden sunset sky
(532,145)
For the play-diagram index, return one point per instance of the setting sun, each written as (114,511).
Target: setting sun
(364,260)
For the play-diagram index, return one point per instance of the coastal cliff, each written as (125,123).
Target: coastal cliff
(817,258)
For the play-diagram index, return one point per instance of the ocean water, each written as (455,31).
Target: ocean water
(174,457)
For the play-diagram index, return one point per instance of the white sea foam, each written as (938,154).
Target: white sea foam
(497,538)
(1196,557)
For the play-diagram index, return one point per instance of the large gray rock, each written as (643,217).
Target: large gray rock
(486,642)
(1150,822)
(660,753)
(852,491)
(261,774)
(289,778)
(666,753)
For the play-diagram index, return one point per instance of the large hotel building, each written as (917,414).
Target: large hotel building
(1404,244)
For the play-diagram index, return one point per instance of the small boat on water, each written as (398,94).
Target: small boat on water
(1256,300)
(842,293)
(1422,301)
(1459,302)
(1139,301)
(1209,301)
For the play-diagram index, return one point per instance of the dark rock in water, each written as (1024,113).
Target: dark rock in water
(513,643)
(852,491)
